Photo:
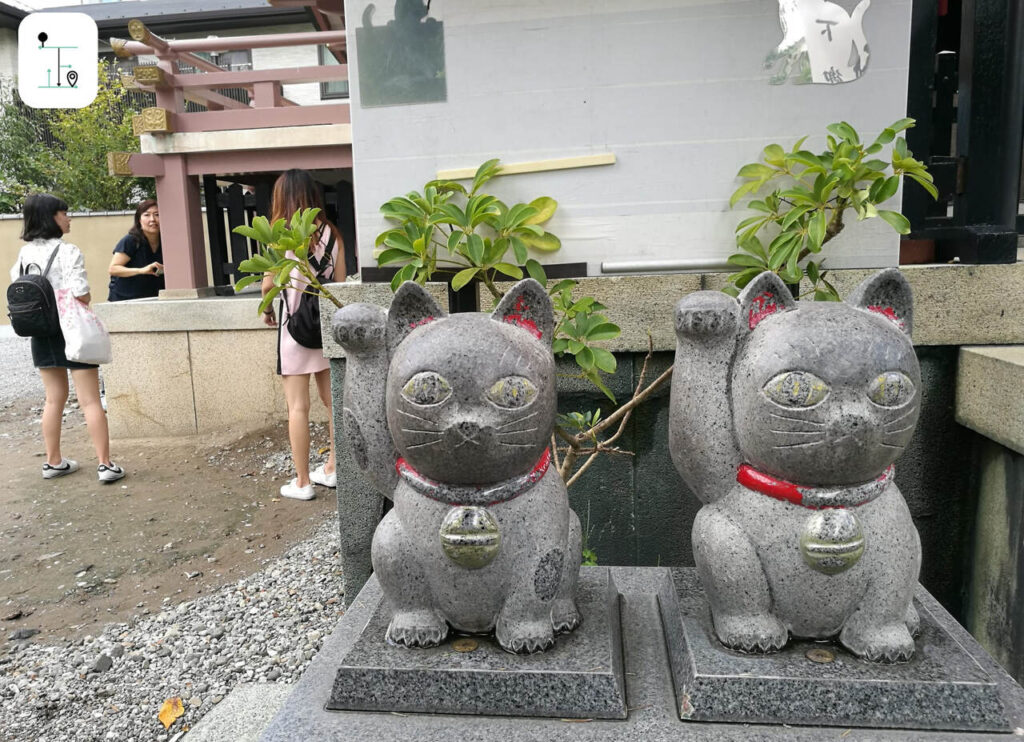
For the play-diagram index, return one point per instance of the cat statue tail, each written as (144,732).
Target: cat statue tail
(360,329)
(700,418)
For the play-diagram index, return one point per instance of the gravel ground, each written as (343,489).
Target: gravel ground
(18,378)
(264,628)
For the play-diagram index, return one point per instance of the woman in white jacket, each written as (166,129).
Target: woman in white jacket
(46,221)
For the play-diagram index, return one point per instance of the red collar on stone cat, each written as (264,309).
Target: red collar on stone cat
(813,498)
(469,494)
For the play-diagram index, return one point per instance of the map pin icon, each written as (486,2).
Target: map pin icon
(72,78)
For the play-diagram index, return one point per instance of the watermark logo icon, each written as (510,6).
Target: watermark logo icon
(57,54)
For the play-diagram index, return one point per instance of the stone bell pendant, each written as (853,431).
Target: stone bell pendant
(470,536)
(832,541)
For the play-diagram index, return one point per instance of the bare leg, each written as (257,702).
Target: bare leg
(323,388)
(296,393)
(55,382)
(87,387)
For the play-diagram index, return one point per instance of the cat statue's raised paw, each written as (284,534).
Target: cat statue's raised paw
(481,537)
(786,418)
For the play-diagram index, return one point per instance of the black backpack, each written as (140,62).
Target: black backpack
(304,324)
(31,303)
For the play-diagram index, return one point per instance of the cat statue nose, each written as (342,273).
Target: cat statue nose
(467,431)
(850,427)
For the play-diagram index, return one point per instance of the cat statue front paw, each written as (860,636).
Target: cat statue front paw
(565,616)
(524,637)
(423,628)
(878,643)
(755,633)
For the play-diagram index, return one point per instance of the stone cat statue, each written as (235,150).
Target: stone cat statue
(451,417)
(785,420)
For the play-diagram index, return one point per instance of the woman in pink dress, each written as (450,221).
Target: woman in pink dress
(295,190)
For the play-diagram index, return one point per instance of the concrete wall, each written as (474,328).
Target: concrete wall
(95,236)
(676,90)
(990,401)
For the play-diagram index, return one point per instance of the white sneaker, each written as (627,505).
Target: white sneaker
(295,492)
(109,473)
(319,476)
(66,466)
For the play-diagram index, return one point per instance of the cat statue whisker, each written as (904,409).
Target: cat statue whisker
(481,537)
(800,537)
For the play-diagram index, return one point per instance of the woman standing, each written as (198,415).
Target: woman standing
(137,268)
(46,220)
(295,190)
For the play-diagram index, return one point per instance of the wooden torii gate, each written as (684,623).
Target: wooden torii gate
(269,134)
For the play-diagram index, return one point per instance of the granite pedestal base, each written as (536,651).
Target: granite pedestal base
(652,705)
(942,687)
(580,677)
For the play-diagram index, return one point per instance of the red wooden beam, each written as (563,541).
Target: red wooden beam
(269,160)
(261,118)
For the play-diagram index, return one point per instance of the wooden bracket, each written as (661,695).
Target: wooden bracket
(152,121)
(150,75)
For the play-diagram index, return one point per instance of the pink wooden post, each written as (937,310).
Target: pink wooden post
(181,232)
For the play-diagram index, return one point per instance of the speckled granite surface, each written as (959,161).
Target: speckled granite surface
(653,712)
(580,677)
(942,687)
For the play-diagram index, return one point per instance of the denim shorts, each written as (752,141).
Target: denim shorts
(48,352)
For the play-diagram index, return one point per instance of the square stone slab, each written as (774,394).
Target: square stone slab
(580,677)
(942,687)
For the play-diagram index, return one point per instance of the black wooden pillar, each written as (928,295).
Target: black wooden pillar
(215,230)
(989,128)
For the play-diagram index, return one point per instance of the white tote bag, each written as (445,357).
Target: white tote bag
(86,340)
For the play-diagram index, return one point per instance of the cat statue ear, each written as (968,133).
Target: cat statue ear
(411,307)
(527,305)
(887,294)
(764,296)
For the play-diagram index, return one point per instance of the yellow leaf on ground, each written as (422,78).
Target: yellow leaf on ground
(170,711)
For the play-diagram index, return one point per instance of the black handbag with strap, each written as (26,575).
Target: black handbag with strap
(304,324)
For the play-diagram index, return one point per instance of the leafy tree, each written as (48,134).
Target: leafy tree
(64,151)
(86,135)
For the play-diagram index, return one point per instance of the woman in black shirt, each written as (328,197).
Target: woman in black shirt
(137,268)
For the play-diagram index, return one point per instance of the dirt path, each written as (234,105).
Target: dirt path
(192,514)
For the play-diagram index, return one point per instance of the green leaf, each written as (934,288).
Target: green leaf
(585,358)
(269,297)
(508,269)
(755,247)
(484,173)
(565,283)
(536,271)
(895,220)
(453,240)
(400,241)
(774,155)
(926,184)
(559,345)
(795,213)
(575,346)
(546,242)
(812,271)
(545,207)
(816,231)
(757,170)
(248,232)
(604,331)
(742,278)
(463,277)
(244,281)
(902,124)
(844,131)
(743,190)
(518,249)
(746,261)
(255,264)
(805,158)
(475,248)
(604,360)
(887,135)
(392,255)
(493,251)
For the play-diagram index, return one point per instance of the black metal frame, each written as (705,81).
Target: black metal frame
(980,89)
